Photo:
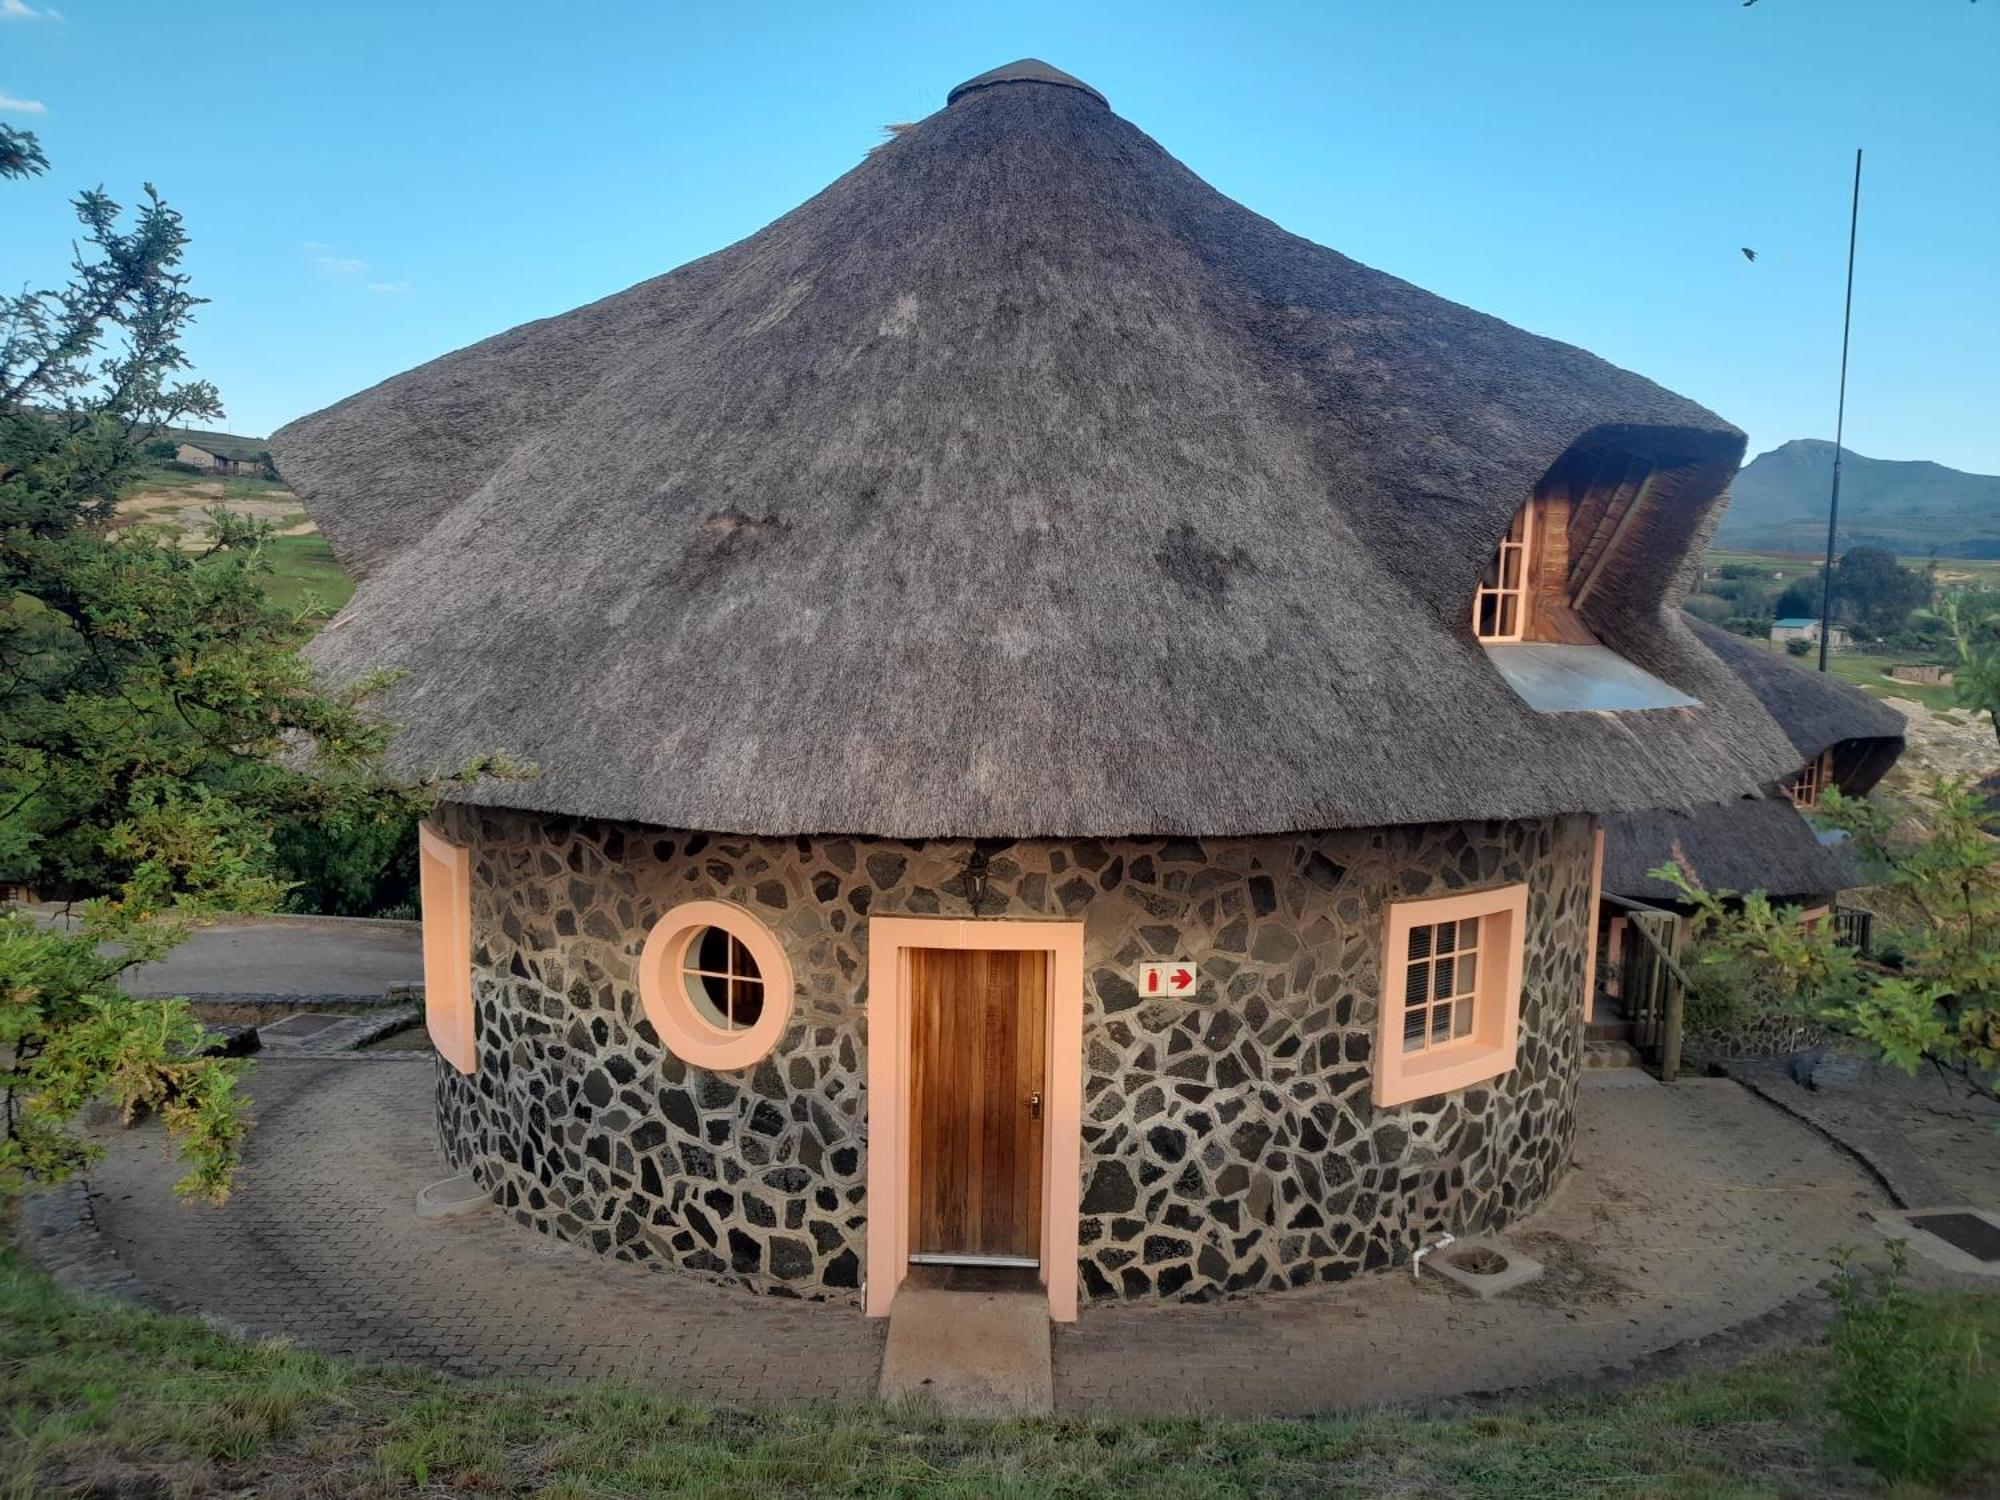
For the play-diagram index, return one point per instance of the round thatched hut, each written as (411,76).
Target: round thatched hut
(1070,728)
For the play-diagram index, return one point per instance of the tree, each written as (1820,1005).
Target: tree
(157,725)
(1942,1007)
(1799,601)
(1975,631)
(1876,591)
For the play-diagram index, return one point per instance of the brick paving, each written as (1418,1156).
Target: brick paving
(1691,1210)
(321,1244)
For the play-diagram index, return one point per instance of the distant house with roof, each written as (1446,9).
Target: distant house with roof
(1808,630)
(222,453)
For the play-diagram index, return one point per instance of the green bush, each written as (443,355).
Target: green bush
(1909,1389)
(1798,648)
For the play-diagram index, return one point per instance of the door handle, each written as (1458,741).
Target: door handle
(1035,1105)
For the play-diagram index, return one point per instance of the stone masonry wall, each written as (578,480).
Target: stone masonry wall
(1230,1142)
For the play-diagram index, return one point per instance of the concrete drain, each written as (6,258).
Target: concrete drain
(1484,1267)
(451,1197)
(1959,1239)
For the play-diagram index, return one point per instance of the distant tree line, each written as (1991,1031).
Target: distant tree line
(1875,596)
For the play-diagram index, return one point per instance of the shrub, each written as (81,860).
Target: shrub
(1909,1388)
(1798,648)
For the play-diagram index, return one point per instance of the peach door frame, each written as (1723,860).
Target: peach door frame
(888,1010)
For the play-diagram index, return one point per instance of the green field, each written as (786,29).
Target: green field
(1953,572)
(164,476)
(1870,673)
(303,567)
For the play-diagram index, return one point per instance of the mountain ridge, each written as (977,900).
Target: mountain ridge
(1912,507)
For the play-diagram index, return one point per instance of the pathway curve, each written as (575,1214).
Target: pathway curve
(1690,1210)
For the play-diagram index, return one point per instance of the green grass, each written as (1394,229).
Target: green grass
(165,476)
(100,1399)
(1871,673)
(302,566)
(1974,572)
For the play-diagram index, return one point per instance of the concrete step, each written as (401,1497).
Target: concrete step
(1607,1031)
(1610,1055)
(971,1353)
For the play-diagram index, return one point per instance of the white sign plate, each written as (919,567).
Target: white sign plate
(1171,977)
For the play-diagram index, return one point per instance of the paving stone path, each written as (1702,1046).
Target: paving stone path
(1690,1210)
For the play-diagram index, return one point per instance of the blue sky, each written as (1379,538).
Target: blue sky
(373,184)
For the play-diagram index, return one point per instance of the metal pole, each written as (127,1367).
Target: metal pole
(1839,424)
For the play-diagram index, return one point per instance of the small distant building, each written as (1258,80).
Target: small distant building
(1807,630)
(1933,673)
(217,455)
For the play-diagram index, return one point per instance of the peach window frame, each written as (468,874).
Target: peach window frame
(1521,593)
(681,1026)
(1494,1042)
(1810,784)
(444,891)
(889,1112)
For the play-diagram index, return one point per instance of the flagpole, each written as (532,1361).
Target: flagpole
(1839,424)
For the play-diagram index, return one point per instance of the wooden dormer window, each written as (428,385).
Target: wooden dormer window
(1806,788)
(1500,606)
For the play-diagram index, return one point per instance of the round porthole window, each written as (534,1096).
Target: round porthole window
(715,984)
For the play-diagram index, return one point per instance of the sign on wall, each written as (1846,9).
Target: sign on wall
(1170,977)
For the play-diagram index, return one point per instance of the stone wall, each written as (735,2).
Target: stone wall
(1230,1142)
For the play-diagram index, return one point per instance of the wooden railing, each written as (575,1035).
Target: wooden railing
(1652,986)
(1855,926)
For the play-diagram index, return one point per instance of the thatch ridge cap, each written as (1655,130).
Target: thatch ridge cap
(1024,70)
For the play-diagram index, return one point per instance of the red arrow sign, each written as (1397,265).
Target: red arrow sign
(1182,979)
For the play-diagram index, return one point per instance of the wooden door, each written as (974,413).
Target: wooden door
(977,1030)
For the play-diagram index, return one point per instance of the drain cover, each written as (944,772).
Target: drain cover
(1967,1232)
(299,1027)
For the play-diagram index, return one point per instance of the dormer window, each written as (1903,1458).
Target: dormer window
(1500,606)
(1806,788)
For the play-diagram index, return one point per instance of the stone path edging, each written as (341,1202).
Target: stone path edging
(1781,1093)
(61,1235)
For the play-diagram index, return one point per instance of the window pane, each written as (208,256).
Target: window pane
(1413,1029)
(710,951)
(1468,933)
(1420,942)
(1441,1023)
(1447,937)
(747,1003)
(710,994)
(1441,986)
(1416,984)
(1468,973)
(1462,1019)
(1510,567)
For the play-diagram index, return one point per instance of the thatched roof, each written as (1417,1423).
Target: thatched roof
(1017,483)
(1764,843)
(1816,710)
(1750,844)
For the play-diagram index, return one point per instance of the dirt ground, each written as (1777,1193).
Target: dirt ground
(1953,743)
(182,505)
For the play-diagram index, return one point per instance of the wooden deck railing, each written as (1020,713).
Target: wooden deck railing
(1652,985)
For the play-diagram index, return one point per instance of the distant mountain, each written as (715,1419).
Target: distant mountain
(1914,509)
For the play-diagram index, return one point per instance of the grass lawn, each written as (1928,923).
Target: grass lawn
(104,1400)
(1870,673)
(165,476)
(302,566)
